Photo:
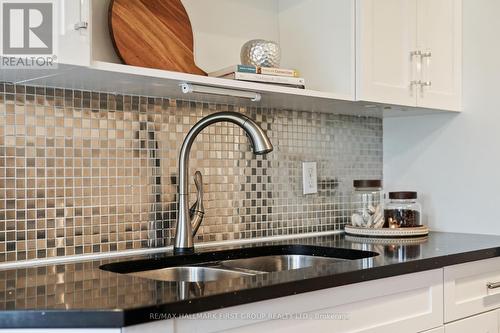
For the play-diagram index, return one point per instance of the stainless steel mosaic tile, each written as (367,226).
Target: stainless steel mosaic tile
(87,172)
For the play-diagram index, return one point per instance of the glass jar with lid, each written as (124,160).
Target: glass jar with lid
(366,204)
(403,210)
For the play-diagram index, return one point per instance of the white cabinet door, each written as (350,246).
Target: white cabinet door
(73,43)
(483,323)
(386,38)
(471,288)
(439,37)
(410,52)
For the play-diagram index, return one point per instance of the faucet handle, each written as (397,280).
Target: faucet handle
(197,210)
(198,205)
(198,181)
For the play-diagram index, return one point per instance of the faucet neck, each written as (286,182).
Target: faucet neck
(260,144)
(231,117)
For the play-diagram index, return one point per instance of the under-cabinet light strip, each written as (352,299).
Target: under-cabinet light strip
(187,88)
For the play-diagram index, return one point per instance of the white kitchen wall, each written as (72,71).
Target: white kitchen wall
(453,161)
(219,34)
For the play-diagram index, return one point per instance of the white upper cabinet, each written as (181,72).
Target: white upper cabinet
(439,38)
(410,52)
(386,37)
(72,21)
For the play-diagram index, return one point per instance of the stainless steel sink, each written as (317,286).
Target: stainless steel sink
(278,263)
(191,274)
(235,263)
(235,268)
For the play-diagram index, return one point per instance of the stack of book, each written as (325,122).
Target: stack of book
(278,76)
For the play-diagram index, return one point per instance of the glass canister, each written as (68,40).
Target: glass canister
(402,211)
(367,204)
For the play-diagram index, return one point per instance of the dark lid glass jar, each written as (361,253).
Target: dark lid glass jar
(402,211)
(366,204)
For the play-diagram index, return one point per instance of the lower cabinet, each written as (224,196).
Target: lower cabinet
(471,288)
(482,323)
(472,291)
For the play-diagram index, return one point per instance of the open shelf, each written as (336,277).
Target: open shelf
(124,79)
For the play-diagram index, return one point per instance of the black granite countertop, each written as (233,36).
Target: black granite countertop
(81,295)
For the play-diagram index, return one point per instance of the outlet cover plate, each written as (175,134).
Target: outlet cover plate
(310,177)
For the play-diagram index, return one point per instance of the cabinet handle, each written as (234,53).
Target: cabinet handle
(425,65)
(421,54)
(426,54)
(81,25)
(493,285)
(415,68)
(421,83)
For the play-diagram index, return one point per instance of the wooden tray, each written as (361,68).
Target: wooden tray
(154,34)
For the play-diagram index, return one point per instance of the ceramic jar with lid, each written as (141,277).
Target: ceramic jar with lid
(366,204)
(402,210)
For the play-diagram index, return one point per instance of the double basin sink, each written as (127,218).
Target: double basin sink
(237,263)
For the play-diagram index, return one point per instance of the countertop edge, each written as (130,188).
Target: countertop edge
(119,318)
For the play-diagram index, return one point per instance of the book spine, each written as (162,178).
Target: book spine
(234,69)
(270,79)
(278,72)
(246,69)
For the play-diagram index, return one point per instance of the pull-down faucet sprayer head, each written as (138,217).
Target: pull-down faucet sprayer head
(261,144)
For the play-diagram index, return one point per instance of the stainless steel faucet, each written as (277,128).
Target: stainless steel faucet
(189,219)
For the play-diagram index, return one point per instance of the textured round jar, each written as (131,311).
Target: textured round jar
(366,204)
(402,211)
(261,53)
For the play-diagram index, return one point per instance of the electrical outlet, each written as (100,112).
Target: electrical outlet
(310,177)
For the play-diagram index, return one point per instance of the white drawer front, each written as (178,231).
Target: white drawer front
(408,303)
(465,288)
(482,323)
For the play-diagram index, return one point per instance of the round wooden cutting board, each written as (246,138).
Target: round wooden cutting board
(154,34)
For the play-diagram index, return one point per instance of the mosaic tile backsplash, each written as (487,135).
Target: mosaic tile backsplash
(86,172)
